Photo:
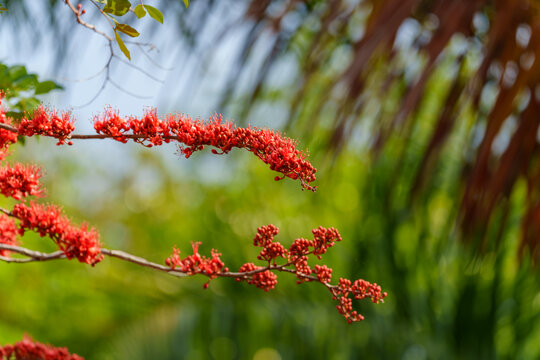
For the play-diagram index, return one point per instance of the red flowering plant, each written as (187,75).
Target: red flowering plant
(28,349)
(21,183)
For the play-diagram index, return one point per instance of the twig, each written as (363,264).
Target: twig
(78,12)
(139,69)
(78,15)
(145,53)
(128,92)
(34,256)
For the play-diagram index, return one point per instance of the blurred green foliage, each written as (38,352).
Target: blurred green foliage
(444,301)
(21,89)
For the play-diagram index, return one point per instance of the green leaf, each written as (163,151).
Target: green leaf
(122,46)
(139,11)
(28,104)
(126,29)
(16,72)
(117,7)
(26,82)
(154,13)
(186,2)
(16,115)
(46,86)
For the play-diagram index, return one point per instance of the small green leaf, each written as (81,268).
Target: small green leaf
(16,72)
(117,7)
(15,115)
(139,11)
(126,29)
(26,82)
(186,2)
(28,104)
(122,46)
(46,86)
(154,13)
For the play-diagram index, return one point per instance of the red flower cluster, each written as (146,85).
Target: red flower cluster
(324,273)
(277,151)
(360,289)
(27,349)
(299,247)
(8,233)
(297,256)
(20,181)
(271,250)
(76,242)
(323,239)
(197,264)
(112,125)
(6,137)
(265,280)
(49,123)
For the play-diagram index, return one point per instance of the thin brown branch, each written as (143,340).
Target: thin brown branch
(31,254)
(154,62)
(8,128)
(107,16)
(78,14)
(36,256)
(141,70)
(127,91)
(92,136)
(141,261)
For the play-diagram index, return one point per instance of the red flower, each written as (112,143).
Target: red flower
(197,264)
(275,150)
(49,123)
(264,238)
(8,233)
(79,242)
(302,269)
(27,349)
(324,273)
(360,289)
(6,137)
(155,130)
(299,247)
(20,181)
(265,280)
(323,239)
(112,125)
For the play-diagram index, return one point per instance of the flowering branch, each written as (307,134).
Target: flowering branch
(29,349)
(262,277)
(82,242)
(192,135)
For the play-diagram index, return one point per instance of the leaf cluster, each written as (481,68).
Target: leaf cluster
(119,8)
(20,89)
